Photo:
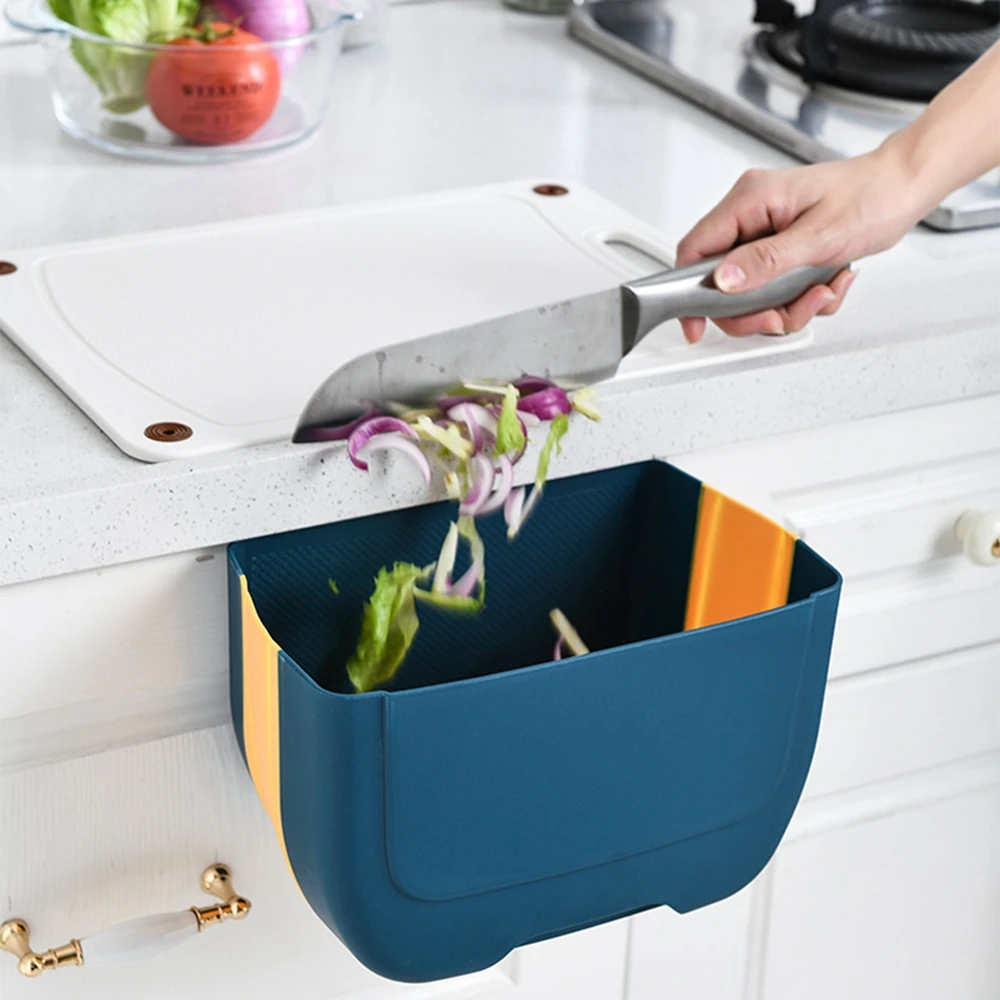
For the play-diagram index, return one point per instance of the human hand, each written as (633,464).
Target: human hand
(828,214)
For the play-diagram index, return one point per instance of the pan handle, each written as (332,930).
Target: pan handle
(690,291)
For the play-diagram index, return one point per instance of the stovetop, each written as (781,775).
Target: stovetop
(709,52)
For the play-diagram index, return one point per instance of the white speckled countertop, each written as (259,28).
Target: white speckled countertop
(462,93)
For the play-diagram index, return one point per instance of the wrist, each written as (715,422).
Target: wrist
(921,176)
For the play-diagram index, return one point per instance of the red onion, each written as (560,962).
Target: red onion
(547,404)
(463,414)
(531,384)
(478,419)
(557,649)
(482,474)
(441,583)
(274,21)
(466,583)
(393,442)
(499,497)
(519,509)
(524,430)
(334,432)
(362,434)
(512,508)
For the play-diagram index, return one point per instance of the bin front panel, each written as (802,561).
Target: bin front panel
(546,770)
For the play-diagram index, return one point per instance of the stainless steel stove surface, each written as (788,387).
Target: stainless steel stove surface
(709,52)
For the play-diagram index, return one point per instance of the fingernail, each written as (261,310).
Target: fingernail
(729,277)
(775,327)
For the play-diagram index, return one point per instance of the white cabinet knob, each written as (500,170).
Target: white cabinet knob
(979,533)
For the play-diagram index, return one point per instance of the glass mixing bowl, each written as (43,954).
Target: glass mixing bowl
(119,96)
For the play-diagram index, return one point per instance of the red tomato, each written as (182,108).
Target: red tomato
(215,86)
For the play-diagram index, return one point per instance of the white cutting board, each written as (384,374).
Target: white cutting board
(228,329)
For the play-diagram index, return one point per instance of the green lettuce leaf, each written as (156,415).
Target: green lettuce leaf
(389,625)
(510,434)
(120,72)
(557,430)
(585,401)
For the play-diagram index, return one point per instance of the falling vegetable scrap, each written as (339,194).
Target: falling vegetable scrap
(568,637)
(475,436)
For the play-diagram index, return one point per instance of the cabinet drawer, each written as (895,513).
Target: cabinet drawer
(91,842)
(887,724)
(109,657)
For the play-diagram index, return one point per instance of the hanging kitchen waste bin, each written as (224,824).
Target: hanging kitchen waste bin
(489,796)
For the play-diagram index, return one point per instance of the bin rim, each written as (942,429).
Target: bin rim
(567,663)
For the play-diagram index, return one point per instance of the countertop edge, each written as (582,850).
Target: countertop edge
(252,492)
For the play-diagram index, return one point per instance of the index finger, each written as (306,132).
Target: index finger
(739,217)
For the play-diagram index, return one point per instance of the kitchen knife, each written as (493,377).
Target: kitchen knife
(582,340)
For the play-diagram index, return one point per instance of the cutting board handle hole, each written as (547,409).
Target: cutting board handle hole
(644,257)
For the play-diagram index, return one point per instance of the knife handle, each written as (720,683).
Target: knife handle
(690,291)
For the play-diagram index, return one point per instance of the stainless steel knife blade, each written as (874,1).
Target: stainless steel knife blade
(582,340)
(579,340)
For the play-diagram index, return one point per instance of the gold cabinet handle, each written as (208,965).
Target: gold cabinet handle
(134,940)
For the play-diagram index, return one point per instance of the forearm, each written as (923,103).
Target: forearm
(957,138)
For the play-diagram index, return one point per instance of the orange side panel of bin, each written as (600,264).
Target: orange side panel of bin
(260,710)
(742,562)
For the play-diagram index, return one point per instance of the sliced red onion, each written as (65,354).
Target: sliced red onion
(531,384)
(521,510)
(500,494)
(512,510)
(466,583)
(334,432)
(471,413)
(464,414)
(481,475)
(369,429)
(524,430)
(547,404)
(557,649)
(445,562)
(528,419)
(568,636)
(536,495)
(394,442)
(446,434)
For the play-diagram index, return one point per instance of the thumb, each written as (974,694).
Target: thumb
(752,265)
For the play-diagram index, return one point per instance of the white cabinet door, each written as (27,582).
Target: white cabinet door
(902,904)
(94,841)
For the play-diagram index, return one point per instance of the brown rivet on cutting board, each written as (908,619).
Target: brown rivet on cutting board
(6,267)
(168,431)
(551,190)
